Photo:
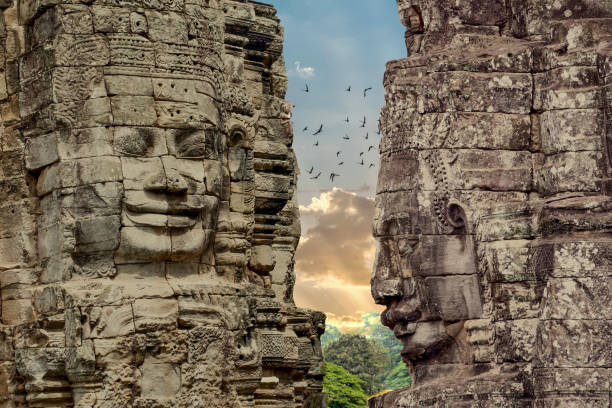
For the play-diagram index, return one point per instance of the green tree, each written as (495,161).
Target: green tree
(344,390)
(331,334)
(362,357)
(397,377)
(395,373)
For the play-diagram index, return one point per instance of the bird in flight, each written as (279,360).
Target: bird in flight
(306,89)
(361,154)
(370,148)
(371,165)
(316,144)
(367,135)
(347,120)
(365,91)
(318,131)
(348,89)
(361,162)
(332,176)
(346,137)
(305,128)
(364,122)
(338,153)
(311,170)
(316,177)
(341,163)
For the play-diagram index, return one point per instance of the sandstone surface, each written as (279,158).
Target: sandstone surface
(494,204)
(148,218)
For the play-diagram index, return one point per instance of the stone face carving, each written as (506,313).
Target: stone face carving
(149,220)
(493,205)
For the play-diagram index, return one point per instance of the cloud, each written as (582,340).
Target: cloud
(343,304)
(339,245)
(304,72)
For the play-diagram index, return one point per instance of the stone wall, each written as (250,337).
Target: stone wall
(494,206)
(148,218)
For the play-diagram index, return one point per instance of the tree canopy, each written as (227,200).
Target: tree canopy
(344,390)
(361,357)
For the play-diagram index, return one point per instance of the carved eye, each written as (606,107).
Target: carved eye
(191,145)
(133,143)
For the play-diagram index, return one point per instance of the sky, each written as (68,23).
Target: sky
(329,46)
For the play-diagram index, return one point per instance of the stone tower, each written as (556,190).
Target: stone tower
(494,207)
(148,219)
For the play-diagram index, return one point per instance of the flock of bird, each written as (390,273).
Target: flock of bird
(333,175)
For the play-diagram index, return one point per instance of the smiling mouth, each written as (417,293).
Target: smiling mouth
(161,220)
(161,210)
(404,330)
(190,205)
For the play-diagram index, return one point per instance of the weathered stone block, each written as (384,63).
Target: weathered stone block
(17,311)
(82,143)
(517,300)
(97,235)
(133,110)
(110,19)
(571,130)
(128,85)
(578,298)
(108,321)
(456,297)
(167,27)
(513,340)
(159,380)
(574,343)
(507,261)
(155,314)
(571,171)
(41,151)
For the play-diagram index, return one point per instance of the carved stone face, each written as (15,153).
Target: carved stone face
(411,18)
(170,206)
(429,285)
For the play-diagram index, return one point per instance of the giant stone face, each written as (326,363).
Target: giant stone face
(148,217)
(493,203)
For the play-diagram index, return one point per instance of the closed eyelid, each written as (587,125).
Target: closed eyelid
(193,146)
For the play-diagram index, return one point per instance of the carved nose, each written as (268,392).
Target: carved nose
(401,316)
(167,179)
(386,282)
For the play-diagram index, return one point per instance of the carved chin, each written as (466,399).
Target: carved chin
(429,340)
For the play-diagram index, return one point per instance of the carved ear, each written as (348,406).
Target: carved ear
(237,137)
(456,217)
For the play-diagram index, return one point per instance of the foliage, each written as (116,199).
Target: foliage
(397,377)
(360,356)
(344,390)
(395,374)
(331,334)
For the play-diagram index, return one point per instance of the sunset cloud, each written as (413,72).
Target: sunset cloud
(335,255)
(344,304)
(340,245)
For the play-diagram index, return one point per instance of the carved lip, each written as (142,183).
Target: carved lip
(148,203)
(403,330)
(160,220)
(412,354)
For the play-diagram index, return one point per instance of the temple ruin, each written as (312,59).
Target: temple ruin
(148,216)
(494,206)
